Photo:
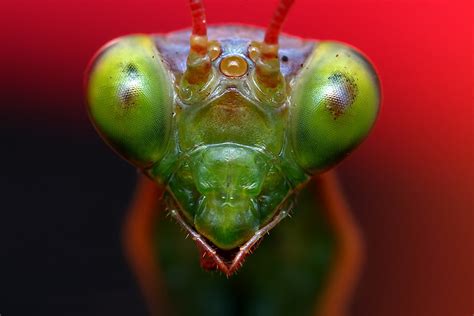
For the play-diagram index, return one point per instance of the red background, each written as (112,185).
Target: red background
(410,183)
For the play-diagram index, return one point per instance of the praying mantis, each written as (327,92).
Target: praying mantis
(234,129)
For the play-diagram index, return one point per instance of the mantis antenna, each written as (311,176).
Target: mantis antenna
(199,17)
(268,74)
(273,30)
(198,63)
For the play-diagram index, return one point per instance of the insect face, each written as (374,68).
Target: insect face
(232,126)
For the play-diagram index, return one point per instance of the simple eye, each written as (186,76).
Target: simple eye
(130,99)
(335,102)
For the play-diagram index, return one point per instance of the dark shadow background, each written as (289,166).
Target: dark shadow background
(64,193)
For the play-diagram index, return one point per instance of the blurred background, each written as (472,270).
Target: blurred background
(64,193)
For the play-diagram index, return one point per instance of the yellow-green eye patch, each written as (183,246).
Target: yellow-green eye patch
(335,104)
(130,99)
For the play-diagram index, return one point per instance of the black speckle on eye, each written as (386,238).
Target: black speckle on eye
(337,55)
(284,58)
(130,88)
(131,71)
(341,94)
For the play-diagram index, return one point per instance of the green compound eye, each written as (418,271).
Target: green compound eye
(335,102)
(130,99)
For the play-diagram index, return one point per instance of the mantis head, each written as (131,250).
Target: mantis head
(232,121)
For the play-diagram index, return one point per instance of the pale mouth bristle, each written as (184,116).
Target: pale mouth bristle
(228,257)
(227,261)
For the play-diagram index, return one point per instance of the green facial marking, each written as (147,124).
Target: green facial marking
(232,118)
(230,202)
(130,99)
(336,101)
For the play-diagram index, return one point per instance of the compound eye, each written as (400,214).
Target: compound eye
(335,104)
(129,96)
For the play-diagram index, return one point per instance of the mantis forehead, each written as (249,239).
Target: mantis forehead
(234,40)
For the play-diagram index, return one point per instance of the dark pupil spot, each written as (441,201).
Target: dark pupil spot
(284,58)
(131,71)
(342,94)
(128,89)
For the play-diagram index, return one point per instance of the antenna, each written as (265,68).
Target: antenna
(267,65)
(273,30)
(199,17)
(198,63)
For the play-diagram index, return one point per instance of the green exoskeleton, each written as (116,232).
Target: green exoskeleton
(233,122)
